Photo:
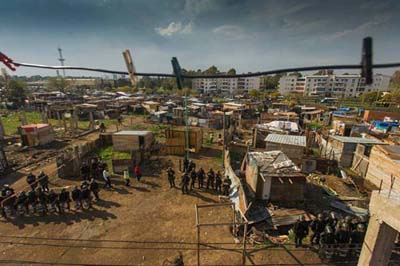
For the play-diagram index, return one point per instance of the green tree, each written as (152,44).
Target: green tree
(211,70)
(16,92)
(272,82)
(231,71)
(371,97)
(254,93)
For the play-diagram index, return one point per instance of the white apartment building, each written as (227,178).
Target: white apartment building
(226,86)
(349,85)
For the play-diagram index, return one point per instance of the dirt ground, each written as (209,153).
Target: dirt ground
(139,225)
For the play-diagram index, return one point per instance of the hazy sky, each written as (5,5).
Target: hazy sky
(244,34)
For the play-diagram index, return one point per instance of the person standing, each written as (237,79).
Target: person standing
(94,188)
(226,186)
(64,199)
(93,167)
(210,179)
(218,183)
(106,177)
(200,176)
(85,171)
(300,231)
(126,177)
(43,181)
(185,183)
(138,173)
(31,180)
(193,177)
(185,164)
(171,177)
(317,226)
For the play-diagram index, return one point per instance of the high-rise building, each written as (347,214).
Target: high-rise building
(343,85)
(226,86)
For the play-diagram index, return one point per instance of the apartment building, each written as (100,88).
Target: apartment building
(349,85)
(226,86)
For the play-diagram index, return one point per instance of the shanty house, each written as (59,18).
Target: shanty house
(272,176)
(342,148)
(151,106)
(176,140)
(293,146)
(384,165)
(132,140)
(36,134)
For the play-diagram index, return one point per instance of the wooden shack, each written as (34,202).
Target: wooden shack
(151,106)
(132,140)
(272,176)
(293,146)
(176,140)
(36,134)
(384,165)
(341,149)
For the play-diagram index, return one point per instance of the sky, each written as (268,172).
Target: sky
(248,35)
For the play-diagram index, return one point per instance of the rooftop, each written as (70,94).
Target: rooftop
(274,162)
(133,132)
(35,126)
(357,140)
(287,139)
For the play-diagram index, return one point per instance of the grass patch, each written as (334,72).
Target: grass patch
(11,121)
(108,153)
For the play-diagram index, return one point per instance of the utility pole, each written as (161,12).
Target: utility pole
(61,59)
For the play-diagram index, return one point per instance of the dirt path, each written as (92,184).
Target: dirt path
(161,219)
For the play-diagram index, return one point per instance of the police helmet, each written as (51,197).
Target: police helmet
(345,226)
(328,229)
(361,228)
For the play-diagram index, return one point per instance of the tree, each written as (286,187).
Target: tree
(324,72)
(211,70)
(371,97)
(254,93)
(231,71)
(271,82)
(16,92)
(58,84)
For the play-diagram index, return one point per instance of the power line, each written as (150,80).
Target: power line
(244,75)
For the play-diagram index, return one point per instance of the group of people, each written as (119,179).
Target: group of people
(98,169)
(190,177)
(42,200)
(330,232)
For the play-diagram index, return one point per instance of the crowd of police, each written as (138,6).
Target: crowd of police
(333,235)
(41,200)
(190,177)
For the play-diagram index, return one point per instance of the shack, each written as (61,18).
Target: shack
(384,165)
(132,140)
(371,115)
(151,106)
(293,146)
(342,149)
(176,140)
(272,176)
(36,134)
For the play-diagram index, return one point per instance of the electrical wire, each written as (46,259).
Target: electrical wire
(255,74)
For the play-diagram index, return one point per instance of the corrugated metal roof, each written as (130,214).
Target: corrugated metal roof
(273,162)
(287,139)
(133,132)
(357,140)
